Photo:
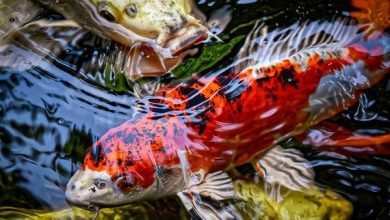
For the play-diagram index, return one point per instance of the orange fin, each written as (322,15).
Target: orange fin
(375,14)
(328,136)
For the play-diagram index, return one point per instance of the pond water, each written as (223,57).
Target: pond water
(59,94)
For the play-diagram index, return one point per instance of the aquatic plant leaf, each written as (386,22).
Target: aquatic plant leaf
(211,55)
(116,81)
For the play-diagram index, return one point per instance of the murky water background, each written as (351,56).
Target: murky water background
(59,94)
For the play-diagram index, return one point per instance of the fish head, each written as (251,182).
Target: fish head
(126,165)
(88,188)
(168,26)
(104,181)
(173,24)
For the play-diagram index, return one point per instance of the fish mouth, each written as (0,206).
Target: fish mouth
(89,206)
(75,200)
(72,196)
(187,37)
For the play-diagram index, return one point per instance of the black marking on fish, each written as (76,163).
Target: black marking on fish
(97,154)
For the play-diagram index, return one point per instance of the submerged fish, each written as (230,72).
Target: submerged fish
(169,26)
(254,204)
(156,33)
(186,136)
(14,14)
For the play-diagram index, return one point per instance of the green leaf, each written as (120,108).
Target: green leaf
(211,54)
(115,80)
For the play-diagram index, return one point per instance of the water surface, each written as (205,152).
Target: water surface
(59,94)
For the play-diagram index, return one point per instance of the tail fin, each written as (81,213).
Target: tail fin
(375,14)
(374,22)
(328,136)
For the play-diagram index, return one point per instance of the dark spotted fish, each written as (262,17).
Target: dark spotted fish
(187,135)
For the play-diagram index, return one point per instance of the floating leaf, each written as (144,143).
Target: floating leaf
(211,54)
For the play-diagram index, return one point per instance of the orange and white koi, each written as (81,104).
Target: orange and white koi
(186,136)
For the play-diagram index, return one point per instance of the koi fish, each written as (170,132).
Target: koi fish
(187,136)
(168,26)
(154,34)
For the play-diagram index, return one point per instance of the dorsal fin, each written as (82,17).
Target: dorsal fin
(264,48)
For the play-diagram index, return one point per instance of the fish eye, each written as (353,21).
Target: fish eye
(131,10)
(100,184)
(107,15)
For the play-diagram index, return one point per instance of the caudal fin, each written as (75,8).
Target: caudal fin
(328,136)
(374,23)
(374,14)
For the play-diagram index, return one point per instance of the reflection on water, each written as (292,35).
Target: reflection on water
(40,128)
(55,100)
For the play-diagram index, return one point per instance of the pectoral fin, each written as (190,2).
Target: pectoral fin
(207,199)
(284,167)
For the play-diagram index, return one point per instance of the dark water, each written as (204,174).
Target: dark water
(55,103)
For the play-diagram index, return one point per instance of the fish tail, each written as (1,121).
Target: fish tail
(374,49)
(373,14)
(376,60)
(362,145)
(328,136)
(360,140)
